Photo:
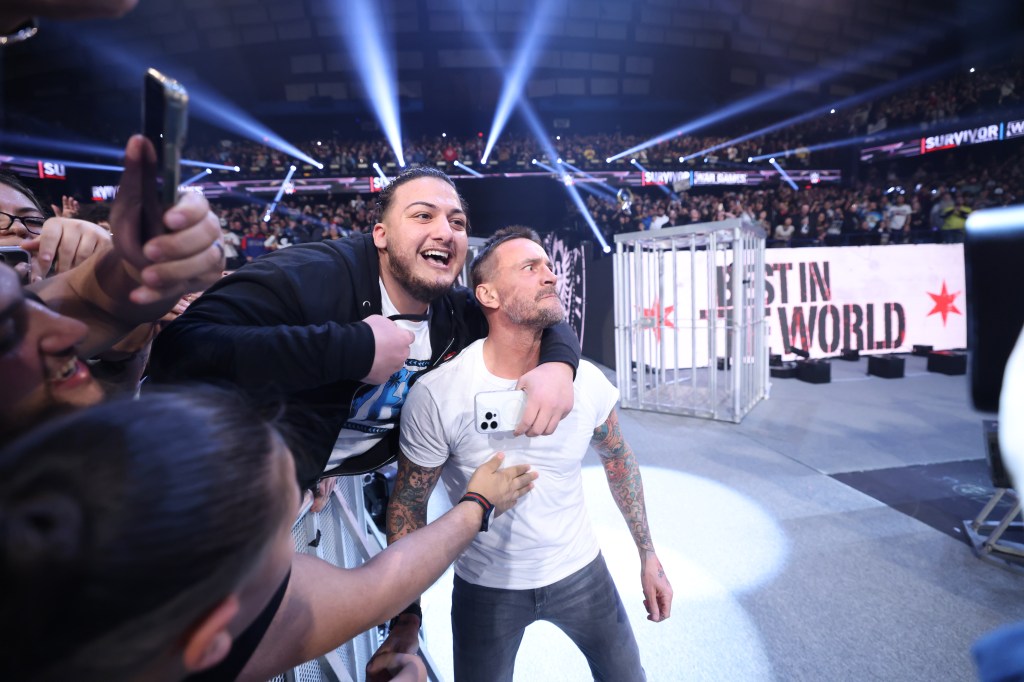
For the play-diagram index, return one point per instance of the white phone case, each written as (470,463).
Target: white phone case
(499,411)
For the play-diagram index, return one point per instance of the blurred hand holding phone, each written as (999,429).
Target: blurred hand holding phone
(19,259)
(165,123)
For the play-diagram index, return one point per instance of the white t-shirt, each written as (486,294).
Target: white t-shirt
(898,215)
(547,536)
(375,409)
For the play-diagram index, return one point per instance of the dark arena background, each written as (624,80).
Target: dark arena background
(830,534)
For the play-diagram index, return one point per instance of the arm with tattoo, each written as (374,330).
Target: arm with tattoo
(407,508)
(407,512)
(623,473)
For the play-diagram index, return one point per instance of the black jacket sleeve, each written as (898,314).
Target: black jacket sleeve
(560,344)
(273,323)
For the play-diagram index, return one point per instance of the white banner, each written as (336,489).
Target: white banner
(874,299)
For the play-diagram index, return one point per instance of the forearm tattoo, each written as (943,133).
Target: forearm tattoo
(623,472)
(407,508)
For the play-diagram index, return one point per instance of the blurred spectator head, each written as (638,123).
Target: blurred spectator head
(42,374)
(97,212)
(22,214)
(141,537)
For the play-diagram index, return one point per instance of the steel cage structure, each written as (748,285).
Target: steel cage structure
(690,323)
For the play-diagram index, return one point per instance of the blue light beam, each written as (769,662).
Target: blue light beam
(515,79)
(196,177)
(204,103)
(280,193)
(874,53)
(784,174)
(360,22)
(73,164)
(385,181)
(211,166)
(474,173)
(878,92)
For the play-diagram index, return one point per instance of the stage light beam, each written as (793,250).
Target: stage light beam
(516,77)
(784,174)
(280,192)
(197,176)
(360,22)
(474,173)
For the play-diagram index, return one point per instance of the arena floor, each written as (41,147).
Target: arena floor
(783,569)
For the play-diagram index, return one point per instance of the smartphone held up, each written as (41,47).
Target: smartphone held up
(164,123)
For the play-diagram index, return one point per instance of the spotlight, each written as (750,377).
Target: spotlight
(633,161)
(207,164)
(771,160)
(785,175)
(533,161)
(607,249)
(444,134)
(280,192)
(383,178)
(705,159)
(608,160)
(362,24)
(681,159)
(750,159)
(319,143)
(474,173)
(195,177)
(972,69)
(832,111)
(238,169)
(558,161)
(558,137)
(292,168)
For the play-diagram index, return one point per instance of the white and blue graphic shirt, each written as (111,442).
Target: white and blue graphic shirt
(375,409)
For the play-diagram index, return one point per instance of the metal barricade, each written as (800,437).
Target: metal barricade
(338,534)
(690,323)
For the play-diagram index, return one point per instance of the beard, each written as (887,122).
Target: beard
(530,314)
(423,289)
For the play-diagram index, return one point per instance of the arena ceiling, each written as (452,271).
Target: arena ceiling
(602,63)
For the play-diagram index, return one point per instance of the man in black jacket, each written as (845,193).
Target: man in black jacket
(310,324)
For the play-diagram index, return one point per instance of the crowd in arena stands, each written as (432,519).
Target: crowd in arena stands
(924,205)
(954,98)
(927,205)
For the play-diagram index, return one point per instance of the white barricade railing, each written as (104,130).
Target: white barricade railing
(342,534)
(690,326)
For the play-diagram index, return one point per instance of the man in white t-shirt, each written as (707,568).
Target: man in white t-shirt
(540,561)
(899,219)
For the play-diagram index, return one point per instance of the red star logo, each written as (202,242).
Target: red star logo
(657,317)
(944,303)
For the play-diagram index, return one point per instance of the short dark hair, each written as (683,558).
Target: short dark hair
(480,270)
(124,524)
(95,212)
(16,183)
(387,194)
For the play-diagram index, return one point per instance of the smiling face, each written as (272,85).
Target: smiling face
(37,359)
(422,240)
